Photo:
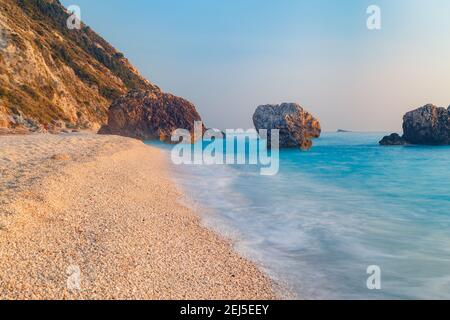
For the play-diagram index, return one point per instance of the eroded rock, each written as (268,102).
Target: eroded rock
(150,115)
(428,125)
(393,140)
(297,126)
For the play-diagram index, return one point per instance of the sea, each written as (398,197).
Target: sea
(349,219)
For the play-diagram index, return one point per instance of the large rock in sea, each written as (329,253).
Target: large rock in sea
(150,115)
(428,125)
(297,126)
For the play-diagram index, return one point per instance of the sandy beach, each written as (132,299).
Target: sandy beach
(103,212)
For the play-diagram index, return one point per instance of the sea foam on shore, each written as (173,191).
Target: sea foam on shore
(333,212)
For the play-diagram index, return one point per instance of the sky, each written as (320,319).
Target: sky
(229,56)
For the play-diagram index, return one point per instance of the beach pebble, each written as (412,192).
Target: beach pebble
(60,157)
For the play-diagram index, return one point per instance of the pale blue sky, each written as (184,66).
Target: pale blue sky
(229,56)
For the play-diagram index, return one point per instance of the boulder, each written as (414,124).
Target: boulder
(150,115)
(393,140)
(428,125)
(297,126)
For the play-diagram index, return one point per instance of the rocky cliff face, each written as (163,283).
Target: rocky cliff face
(150,115)
(51,76)
(297,126)
(428,125)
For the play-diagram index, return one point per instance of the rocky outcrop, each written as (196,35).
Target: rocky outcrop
(297,126)
(393,140)
(428,125)
(51,73)
(150,115)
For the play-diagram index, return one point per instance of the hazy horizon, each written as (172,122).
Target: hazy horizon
(228,57)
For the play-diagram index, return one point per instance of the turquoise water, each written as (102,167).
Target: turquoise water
(335,210)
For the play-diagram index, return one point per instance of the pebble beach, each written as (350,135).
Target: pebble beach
(85,216)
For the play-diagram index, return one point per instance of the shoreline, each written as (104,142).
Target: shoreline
(231,237)
(104,210)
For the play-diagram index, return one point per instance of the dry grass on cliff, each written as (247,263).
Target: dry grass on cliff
(49,72)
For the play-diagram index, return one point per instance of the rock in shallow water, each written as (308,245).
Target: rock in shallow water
(428,125)
(393,140)
(150,115)
(297,126)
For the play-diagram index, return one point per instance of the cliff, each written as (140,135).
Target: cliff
(51,76)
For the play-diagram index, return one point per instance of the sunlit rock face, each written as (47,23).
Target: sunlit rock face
(297,126)
(150,115)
